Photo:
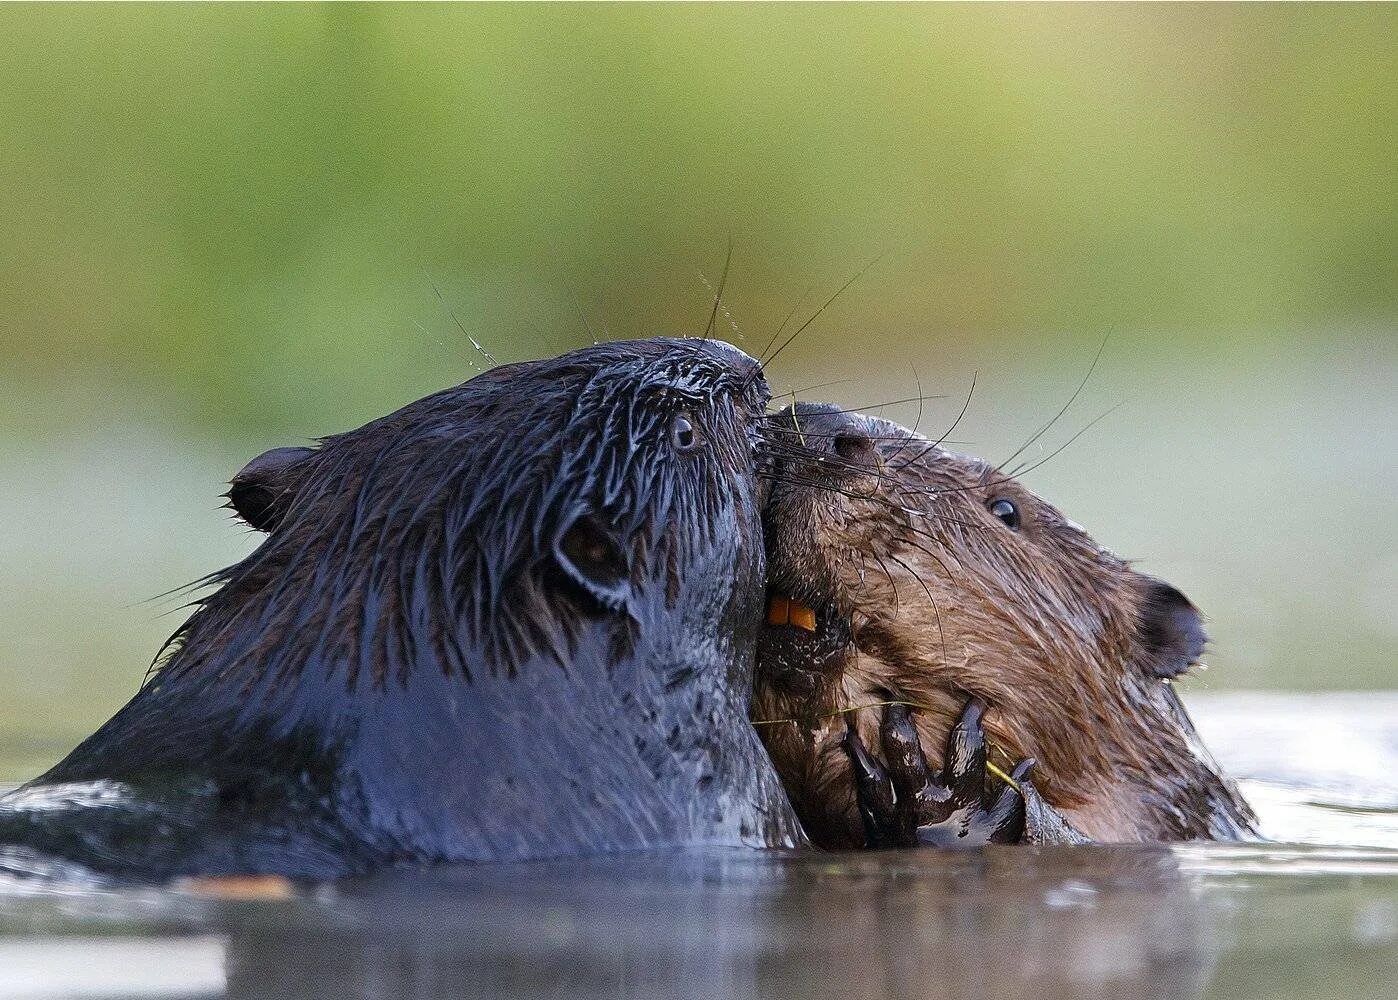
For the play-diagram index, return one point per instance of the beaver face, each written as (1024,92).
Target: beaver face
(504,516)
(902,571)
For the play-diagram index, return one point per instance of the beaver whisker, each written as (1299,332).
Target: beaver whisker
(881,501)
(577,305)
(459,325)
(812,388)
(863,589)
(937,491)
(897,600)
(930,536)
(718,295)
(829,461)
(933,556)
(986,531)
(948,519)
(905,491)
(936,609)
(1071,399)
(1023,470)
(832,507)
(875,406)
(811,484)
(801,451)
(820,436)
(783,451)
(763,362)
(916,423)
(966,405)
(799,302)
(808,484)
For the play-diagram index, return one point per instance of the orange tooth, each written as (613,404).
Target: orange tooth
(778,611)
(802,617)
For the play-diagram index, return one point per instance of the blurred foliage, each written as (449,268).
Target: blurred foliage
(225,227)
(244,210)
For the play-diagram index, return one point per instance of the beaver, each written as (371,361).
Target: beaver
(513,619)
(901,572)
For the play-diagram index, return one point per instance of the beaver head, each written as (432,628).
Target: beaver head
(514,618)
(519,508)
(901,571)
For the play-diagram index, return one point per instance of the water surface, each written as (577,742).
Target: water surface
(1314,912)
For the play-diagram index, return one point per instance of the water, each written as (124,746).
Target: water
(1314,912)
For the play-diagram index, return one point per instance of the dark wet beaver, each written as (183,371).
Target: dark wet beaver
(512,619)
(907,573)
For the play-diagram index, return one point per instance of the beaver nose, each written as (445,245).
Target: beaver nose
(826,429)
(854,446)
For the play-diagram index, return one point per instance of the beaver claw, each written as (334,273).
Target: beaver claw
(905,804)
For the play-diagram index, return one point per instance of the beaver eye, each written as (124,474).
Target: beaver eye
(1006,510)
(683,434)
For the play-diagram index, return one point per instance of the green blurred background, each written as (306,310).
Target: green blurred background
(228,228)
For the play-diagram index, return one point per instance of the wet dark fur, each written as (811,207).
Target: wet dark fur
(415,667)
(922,595)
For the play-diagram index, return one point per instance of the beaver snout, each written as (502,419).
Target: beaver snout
(825,431)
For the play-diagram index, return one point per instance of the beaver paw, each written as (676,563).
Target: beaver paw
(905,804)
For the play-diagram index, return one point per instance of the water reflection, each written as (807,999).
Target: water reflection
(1007,922)
(1275,920)
(1064,923)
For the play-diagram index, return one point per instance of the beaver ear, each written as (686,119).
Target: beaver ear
(596,559)
(1170,632)
(258,492)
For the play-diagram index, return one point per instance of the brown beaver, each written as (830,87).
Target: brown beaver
(903,572)
(513,619)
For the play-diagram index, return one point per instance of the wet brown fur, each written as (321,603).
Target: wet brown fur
(945,601)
